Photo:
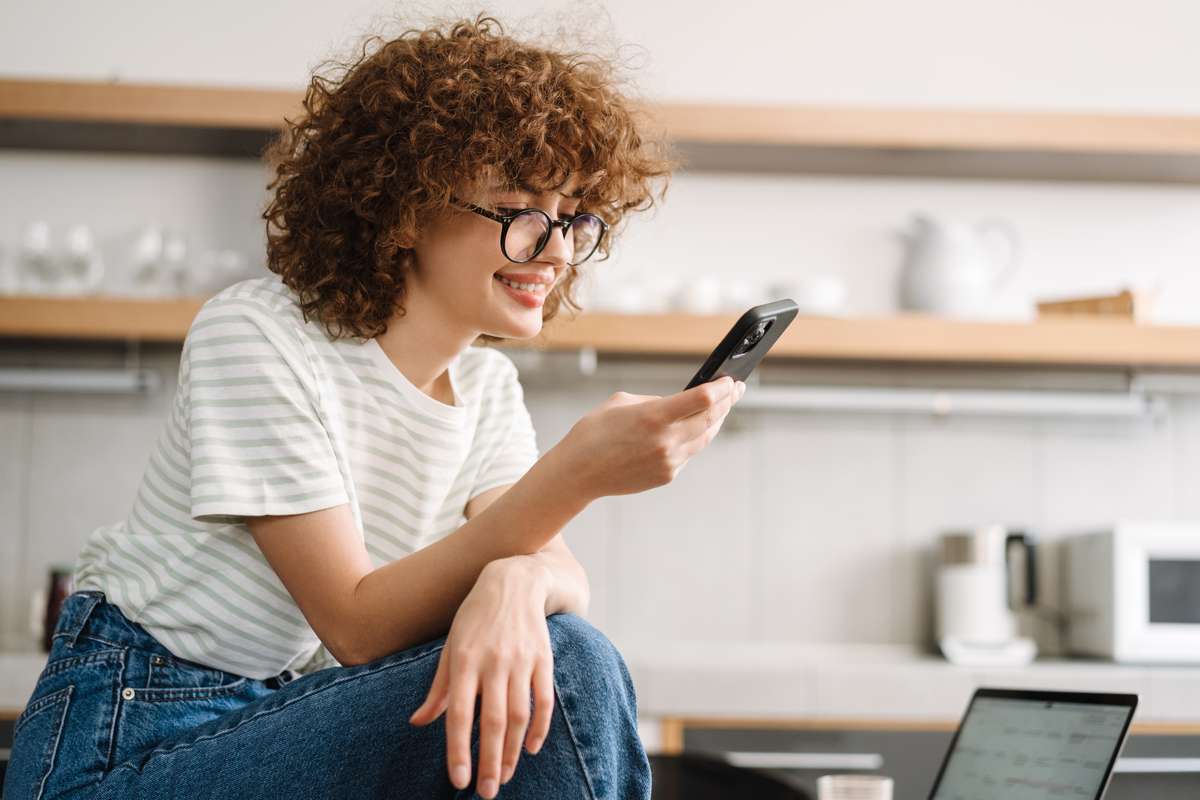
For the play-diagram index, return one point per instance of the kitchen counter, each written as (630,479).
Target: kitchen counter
(860,685)
(865,685)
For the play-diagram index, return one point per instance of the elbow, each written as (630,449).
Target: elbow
(347,652)
(347,645)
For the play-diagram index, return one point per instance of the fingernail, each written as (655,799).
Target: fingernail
(507,775)
(462,776)
(489,788)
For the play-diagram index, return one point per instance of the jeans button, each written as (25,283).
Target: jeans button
(127,694)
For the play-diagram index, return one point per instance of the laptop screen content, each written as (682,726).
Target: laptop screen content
(1018,749)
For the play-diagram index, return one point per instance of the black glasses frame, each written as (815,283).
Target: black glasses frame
(506,221)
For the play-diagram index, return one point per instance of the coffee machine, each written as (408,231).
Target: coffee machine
(975,602)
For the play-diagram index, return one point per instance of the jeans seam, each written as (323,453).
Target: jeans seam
(36,707)
(58,743)
(587,778)
(63,664)
(188,745)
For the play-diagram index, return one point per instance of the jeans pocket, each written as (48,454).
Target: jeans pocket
(36,737)
(169,678)
(174,697)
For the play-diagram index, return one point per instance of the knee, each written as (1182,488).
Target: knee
(582,652)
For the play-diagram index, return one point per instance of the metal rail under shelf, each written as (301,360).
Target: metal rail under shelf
(944,402)
(76,381)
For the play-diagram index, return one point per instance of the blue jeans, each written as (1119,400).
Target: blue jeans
(115,715)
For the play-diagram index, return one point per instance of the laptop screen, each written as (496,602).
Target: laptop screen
(1026,745)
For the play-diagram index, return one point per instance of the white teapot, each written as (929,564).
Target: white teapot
(948,267)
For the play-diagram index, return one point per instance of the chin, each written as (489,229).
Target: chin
(517,329)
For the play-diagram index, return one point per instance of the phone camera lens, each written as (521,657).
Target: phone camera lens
(755,336)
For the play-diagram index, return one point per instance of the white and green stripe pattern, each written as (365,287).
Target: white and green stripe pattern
(271,416)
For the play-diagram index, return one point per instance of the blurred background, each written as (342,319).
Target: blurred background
(989,214)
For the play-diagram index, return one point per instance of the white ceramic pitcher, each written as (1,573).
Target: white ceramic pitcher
(949,267)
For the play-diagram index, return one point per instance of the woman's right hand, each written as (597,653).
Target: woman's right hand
(631,443)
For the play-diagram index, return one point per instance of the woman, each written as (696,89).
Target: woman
(345,530)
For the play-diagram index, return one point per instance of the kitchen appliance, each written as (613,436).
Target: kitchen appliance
(948,268)
(975,621)
(1132,592)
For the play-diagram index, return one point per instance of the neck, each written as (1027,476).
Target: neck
(422,342)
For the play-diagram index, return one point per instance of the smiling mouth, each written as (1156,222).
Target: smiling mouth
(537,288)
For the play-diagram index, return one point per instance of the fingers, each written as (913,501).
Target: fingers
(460,713)
(695,445)
(543,705)
(435,702)
(493,722)
(694,400)
(518,718)
(697,424)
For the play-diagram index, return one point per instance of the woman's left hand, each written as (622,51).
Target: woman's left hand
(498,647)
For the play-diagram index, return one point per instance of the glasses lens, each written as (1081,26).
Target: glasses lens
(585,231)
(527,234)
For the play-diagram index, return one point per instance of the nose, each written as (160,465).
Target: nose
(559,249)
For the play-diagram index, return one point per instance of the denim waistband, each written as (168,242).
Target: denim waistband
(87,613)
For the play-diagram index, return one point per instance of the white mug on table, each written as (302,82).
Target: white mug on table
(854,787)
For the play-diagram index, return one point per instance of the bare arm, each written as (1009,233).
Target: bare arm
(354,607)
(361,613)
(568,590)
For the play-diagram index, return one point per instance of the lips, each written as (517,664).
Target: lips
(530,298)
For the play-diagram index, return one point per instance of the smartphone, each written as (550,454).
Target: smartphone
(746,343)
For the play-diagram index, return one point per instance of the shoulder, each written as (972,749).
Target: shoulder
(267,294)
(257,306)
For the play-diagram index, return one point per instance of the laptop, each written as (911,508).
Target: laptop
(1021,745)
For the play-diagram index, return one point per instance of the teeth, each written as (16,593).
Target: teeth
(528,287)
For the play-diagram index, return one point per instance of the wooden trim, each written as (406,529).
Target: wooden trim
(904,338)
(900,338)
(150,104)
(928,128)
(97,318)
(671,743)
(679,725)
(805,126)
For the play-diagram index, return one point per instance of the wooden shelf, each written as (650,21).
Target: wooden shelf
(831,139)
(931,129)
(147,104)
(829,126)
(97,318)
(906,338)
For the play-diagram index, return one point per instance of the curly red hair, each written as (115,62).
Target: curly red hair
(379,151)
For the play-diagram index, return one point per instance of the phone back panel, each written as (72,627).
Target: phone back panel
(731,358)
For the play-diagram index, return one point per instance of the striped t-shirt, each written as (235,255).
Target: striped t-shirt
(273,416)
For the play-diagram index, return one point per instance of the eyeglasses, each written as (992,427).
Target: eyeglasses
(527,230)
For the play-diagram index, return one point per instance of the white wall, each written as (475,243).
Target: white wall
(825,520)
(1065,54)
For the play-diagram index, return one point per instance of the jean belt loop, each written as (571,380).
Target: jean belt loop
(78,616)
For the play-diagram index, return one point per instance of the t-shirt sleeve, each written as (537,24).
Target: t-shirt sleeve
(508,429)
(257,442)
(321,659)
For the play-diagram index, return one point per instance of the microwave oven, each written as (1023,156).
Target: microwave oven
(1133,592)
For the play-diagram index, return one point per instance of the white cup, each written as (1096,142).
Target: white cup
(699,295)
(854,787)
(815,294)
